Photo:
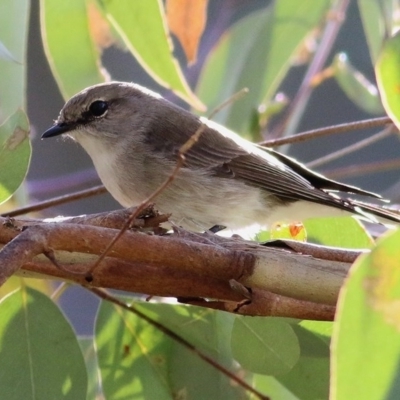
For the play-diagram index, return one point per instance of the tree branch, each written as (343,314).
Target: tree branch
(282,278)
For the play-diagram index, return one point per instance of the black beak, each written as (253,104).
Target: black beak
(57,129)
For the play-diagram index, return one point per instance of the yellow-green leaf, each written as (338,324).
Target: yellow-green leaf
(73,57)
(387,72)
(15,153)
(143,28)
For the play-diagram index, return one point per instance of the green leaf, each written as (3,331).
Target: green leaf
(39,355)
(5,54)
(131,355)
(388,77)
(136,359)
(373,22)
(346,232)
(357,88)
(14,25)
(15,153)
(143,28)
(265,345)
(89,353)
(272,386)
(366,340)
(267,41)
(73,57)
(309,379)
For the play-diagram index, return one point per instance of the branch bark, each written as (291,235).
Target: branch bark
(282,278)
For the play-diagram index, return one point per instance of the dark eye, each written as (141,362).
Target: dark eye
(98,108)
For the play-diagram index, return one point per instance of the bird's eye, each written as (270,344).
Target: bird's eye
(98,108)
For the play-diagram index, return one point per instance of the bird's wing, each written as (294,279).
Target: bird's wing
(226,155)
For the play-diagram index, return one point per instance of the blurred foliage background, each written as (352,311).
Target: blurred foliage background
(308,64)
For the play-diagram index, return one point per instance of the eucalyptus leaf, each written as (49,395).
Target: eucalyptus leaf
(137,359)
(5,54)
(265,345)
(142,27)
(15,153)
(73,57)
(14,27)
(40,357)
(388,77)
(366,340)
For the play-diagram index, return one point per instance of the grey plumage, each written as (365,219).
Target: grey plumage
(225,180)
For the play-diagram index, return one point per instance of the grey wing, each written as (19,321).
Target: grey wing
(257,166)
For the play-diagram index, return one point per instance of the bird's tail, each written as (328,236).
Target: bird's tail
(377,214)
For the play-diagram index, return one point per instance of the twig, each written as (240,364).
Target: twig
(352,148)
(170,333)
(329,130)
(55,201)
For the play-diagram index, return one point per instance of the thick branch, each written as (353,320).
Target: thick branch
(283,278)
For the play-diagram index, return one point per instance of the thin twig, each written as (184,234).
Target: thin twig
(329,130)
(352,148)
(173,335)
(55,201)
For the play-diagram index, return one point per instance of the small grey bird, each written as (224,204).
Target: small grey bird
(133,137)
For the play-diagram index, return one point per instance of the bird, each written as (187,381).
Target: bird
(133,136)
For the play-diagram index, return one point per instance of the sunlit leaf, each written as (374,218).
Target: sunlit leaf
(14,26)
(40,356)
(187,20)
(373,21)
(366,340)
(143,28)
(137,359)
(73,57)
(294,231)
(346,232)
(15,153)
(388,77)
(356,86)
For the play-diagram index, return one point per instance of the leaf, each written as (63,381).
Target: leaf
(187,20)
(5,54)
(267,40)
(309,378)
(142,27)
(264,345)
(373,22)
(272,386)
(388,77)
(40,356)
(366,339)
(89,353)
(346,232)
(294,231)
(356,86)
(72,55)
(131,355)
(99,27)
(137,359)
(14,26)
(15,153)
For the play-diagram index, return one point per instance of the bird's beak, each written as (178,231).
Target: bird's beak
(58,129)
